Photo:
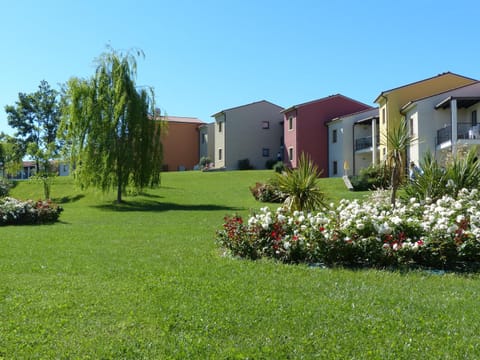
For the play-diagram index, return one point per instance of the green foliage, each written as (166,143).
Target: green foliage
(244,164)
(461,172)
(431,183)
(10,155)
(398,140)
(270,163)
(113,140)
(301,186)
(36,118)
(205,161)
(5,186)
(375,176)
(267,192)
(279,167)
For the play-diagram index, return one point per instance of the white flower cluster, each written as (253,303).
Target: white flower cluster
(409,224)
(11,209)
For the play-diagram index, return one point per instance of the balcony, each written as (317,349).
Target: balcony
(465,131)
(365,143)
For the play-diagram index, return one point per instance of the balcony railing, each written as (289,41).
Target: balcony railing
(365,142)
(464,131)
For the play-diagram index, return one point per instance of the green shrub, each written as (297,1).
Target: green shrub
(371,178)
(435,181)
(269,164)
(205,161)
(279,167)
(244,164)
(267,193)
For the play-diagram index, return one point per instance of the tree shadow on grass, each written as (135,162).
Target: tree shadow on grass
(145,205)
(68,199)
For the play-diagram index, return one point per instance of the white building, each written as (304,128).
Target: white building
(444,122)
(353,142)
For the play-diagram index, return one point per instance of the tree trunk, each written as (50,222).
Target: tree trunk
(119,186)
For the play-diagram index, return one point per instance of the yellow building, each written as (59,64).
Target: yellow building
(391,101)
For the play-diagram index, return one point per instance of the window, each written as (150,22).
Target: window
(335,168)
(219,154)
(383,116)
(412,126)
(265,125)
(265,152)
(290,153)
(219,127)
(474,117)
(204,138)
(334,136)
(290,123)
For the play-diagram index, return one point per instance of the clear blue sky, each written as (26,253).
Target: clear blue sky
(206,56)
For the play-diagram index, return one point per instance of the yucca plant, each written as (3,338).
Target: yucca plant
(431,183)
(301,186)
(398,140)
(464,172)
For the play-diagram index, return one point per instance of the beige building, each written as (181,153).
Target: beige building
(252,132)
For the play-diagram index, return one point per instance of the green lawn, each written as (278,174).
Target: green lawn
(145,280)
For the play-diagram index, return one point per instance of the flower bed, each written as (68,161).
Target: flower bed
(16,212)
(444,234)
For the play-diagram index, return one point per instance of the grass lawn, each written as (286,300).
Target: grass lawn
(145,280)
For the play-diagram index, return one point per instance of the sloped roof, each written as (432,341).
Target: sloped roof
(374,112)
(469,90)
(383,93)
(182,119)
(240,106)
(325,99)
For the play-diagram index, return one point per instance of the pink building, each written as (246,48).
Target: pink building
(305,129)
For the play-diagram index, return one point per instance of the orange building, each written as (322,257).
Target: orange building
(181,143)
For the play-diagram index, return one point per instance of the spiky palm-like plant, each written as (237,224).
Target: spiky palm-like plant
(301,186)
(464,172)
(398,140)
(431,183)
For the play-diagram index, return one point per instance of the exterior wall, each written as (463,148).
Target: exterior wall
(207,141)
(311,132)
(427,121)
(245,136)
(219,136)
(343,151)
(290,138)
(391,101)
(336,153)
(180,146)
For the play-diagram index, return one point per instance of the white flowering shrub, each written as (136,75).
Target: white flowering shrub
(16,212)
(438,234)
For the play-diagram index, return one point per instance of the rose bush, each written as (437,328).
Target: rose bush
(16,212)
(433,234)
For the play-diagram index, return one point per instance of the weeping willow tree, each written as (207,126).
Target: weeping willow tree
(112,137)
